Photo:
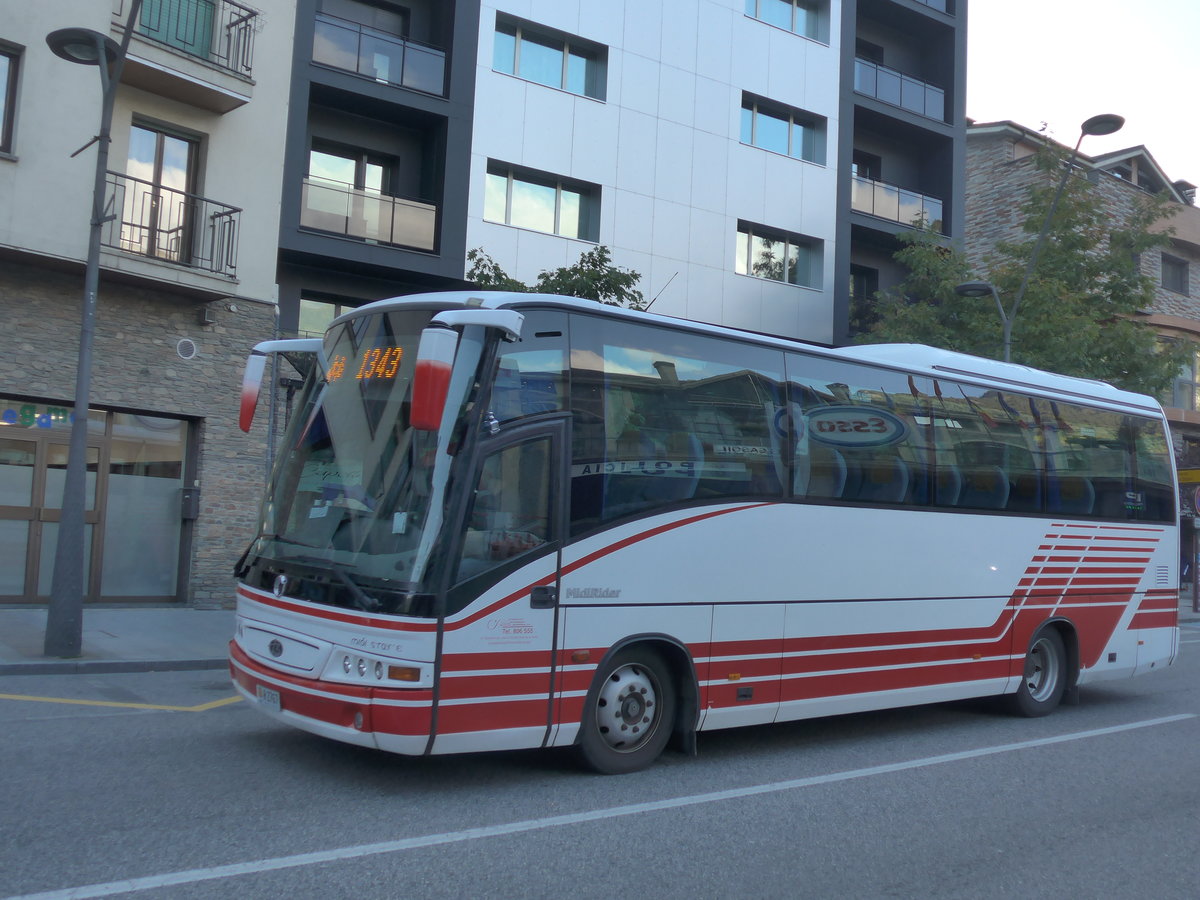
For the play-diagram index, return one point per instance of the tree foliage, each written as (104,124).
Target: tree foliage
(592,277)
(1079,314)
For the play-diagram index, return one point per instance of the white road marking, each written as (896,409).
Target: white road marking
(253,867)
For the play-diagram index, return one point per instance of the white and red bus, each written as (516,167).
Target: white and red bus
(509,520)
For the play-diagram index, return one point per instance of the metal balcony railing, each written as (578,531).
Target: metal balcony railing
(898,89)
(876,198)
(218,31)
(174,226)
(384,57)
(939,5)
(341,209)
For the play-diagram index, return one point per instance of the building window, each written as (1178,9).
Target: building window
(8,97)
(783,129)
(800,16)
(1185,392)
(866,165)
(778,256)
(316,315)
(158,210)
(542,202)
(549,58)
(1175,274)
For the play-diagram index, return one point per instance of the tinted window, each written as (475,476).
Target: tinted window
(663,418)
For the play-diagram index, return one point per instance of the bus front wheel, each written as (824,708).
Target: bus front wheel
(1045,676)
(628,715)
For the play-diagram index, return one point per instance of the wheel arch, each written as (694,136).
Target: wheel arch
(1070,637)
(683,677)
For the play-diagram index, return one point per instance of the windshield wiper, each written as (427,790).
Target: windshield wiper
(363,600)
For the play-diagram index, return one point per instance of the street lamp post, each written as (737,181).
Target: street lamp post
(64,617)
(1105,123)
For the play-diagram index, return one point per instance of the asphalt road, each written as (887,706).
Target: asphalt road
(163,785)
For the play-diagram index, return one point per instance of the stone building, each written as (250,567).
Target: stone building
(187,286)
(1001,167)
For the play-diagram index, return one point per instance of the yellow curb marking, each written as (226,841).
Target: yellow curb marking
(203,707)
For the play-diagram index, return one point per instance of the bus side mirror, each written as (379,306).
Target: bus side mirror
(431,380)
(251,382)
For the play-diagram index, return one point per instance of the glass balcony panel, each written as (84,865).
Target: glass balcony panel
(888,86)
(370,217)
(324,206)
(367,215)
(912,95)
(376,54)
(425,69)
(335,45)
(911,208)
(933,213)
(887,202)
(414,224)
(862,195)
(865,81)
(381,58)
(935,103)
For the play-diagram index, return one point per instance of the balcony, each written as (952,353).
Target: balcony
(886,201)
(900,90)
(382,57)
(945,6)
(219,32)
(173,226)
(341,209)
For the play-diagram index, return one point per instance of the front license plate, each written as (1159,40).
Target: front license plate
(267,697)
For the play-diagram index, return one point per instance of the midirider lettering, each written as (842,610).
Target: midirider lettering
(593,593)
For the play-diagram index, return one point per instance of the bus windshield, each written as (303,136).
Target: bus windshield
(352,489)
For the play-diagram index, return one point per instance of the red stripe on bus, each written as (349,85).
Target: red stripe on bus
(1158,619)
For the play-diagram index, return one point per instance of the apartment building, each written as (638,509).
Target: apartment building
(276,162)
(1000,170)
(188,253)
(752,160)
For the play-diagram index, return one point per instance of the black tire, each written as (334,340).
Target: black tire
(1045,677)
(628,714)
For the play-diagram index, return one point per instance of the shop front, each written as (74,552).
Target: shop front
(138,514)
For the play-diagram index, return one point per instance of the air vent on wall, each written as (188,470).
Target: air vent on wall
(186,348)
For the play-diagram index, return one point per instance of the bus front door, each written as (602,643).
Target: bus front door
(497,672)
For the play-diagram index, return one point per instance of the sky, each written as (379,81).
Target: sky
(1062,61)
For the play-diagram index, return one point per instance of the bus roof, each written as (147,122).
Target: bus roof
(918,359)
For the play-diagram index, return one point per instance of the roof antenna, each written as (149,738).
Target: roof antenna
(646,308)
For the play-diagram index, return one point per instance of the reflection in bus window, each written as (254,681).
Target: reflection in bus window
(664,418)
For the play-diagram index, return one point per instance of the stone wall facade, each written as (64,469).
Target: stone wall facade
(1000,171)
(139,367)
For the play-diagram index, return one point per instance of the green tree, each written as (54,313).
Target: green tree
(1079,312)
(592,277)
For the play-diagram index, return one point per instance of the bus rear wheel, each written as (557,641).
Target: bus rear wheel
(1045,676)
(628,714)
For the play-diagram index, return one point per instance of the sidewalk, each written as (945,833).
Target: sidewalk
(152,640)
(120,640)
